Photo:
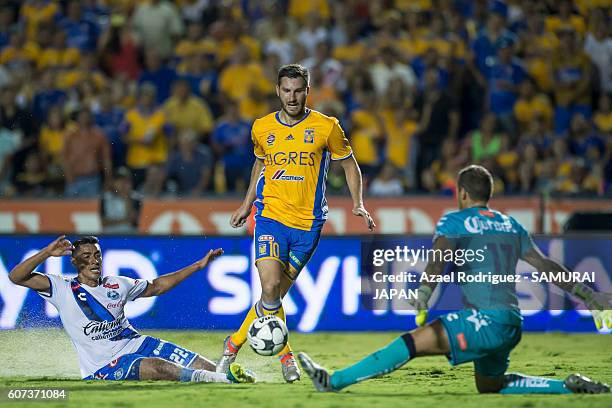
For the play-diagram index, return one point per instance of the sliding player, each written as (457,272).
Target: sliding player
(91,309)
(486,332)
(293,148)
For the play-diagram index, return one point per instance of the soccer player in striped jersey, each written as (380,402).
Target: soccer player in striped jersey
(91,310)
(293,148)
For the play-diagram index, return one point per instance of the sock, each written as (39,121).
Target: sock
(389,358)
(190,375)
(240,336)
(517,383)
(287,349)
(273,308)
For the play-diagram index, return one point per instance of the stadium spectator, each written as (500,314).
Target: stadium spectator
(530,105)
(145,132)
(119,204)
(598,46)
(119,49)
(51,146)
(572,73)
(190,165)
(159,26)
(82,33)
(185,111)
(231,141)
(485,142)
(47,95)
(157,73)
(439,119)
(389,67)
(387,183)
(85,155)
(109,116)
(31,181)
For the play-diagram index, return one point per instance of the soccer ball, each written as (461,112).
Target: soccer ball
(267,335)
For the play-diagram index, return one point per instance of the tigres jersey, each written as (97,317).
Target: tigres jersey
(291,186)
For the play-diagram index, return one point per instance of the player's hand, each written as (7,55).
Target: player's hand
(61,246)
(420,304)
(240,216)
(210,256)
(362,212)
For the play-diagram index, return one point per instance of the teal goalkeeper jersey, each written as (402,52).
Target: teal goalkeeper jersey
(502,241)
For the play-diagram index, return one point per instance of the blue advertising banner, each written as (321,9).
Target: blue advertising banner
(326,295)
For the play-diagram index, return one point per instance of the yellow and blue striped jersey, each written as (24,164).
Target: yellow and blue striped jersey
(291,186)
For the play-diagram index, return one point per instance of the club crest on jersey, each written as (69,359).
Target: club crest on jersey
(271,138)
(118,374)
(265,238)
(262,249)
(309,136)
(112,294)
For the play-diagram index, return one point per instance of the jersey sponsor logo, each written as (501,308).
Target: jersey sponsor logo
(280,175)
(308,135)
(486,213)
(265,238)
(82,297)
(111,285)
(94,327)
(296,158)
(270,139)
(117,305)
(113,363)
(113,295)
(290,137)
(477,225)
(159,347)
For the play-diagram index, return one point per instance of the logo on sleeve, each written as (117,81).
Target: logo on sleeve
(309,136)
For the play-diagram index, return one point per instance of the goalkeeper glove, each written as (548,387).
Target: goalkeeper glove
(600,305)
(420,304)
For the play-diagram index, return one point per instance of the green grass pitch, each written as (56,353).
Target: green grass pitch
(46,359)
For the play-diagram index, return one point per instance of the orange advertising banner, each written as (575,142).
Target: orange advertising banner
(406,215)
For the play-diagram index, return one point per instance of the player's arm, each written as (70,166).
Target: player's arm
(239,217)
(596,301)
(24,275)
(355,185)
(435,267)
(166,282)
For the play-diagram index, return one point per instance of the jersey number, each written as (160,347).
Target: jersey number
(179,356)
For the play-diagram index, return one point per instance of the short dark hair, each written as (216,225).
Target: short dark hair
(477,181)
(88,239)
(293,71)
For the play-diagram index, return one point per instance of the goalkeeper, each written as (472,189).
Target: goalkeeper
(489,328)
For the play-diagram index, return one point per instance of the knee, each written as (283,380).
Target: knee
(271,289)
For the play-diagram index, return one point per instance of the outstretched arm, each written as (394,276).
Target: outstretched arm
(355,185)
(595,301)
(23,274)
(166,282)
(239,217)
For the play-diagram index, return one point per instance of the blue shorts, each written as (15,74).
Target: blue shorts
(127,367)
(292,247)
(473,336)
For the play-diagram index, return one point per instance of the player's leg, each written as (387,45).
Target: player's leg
(160,369)
(302,245)
(271,254)
(423,341)
(491,377)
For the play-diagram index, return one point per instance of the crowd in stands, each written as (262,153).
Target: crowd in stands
(104,98)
